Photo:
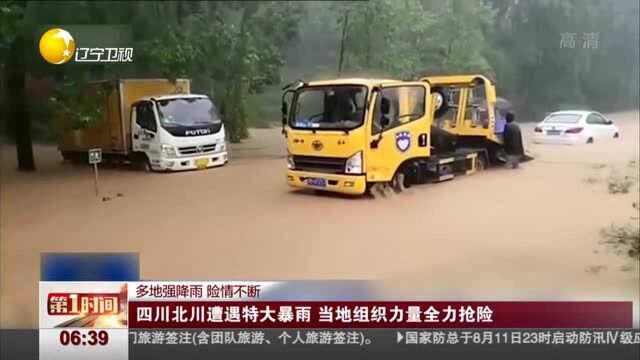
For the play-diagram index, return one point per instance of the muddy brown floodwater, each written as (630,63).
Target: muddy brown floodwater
(530,233)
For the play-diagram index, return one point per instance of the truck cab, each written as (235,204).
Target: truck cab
(353,135)
(178,132)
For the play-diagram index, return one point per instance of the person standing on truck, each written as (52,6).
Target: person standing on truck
(512,141)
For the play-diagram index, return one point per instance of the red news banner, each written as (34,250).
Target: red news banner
(201,306)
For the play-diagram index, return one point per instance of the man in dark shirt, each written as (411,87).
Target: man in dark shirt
(512,141)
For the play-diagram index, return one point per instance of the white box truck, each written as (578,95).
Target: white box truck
(156,122)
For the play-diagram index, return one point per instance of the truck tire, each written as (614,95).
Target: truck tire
(481,163)
(66,155)
(141,161)
(78,158)
(398,182)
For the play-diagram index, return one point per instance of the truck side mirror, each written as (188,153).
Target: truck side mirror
(385,106)
(384,122)
(219,108)
(284,112)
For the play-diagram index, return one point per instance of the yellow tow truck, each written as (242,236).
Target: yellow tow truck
(356,135)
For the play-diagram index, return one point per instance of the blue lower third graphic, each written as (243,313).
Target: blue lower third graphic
(89,267)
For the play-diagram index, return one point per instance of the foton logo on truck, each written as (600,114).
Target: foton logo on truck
(197,132)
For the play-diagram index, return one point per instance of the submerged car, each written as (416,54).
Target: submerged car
(574,127)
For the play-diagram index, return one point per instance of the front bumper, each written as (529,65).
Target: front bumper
(191,163)
(345,184)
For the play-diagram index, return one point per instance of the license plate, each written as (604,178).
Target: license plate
(202,163)
(553,132)
(317,182)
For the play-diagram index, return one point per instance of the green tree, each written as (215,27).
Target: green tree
(542,76)
(411,37)
(233,57)
(18,41)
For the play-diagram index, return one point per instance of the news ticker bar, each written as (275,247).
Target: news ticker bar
(364,338)
(389,314)
(200,343)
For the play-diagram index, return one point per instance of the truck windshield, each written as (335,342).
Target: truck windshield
(329,108)
(187,112)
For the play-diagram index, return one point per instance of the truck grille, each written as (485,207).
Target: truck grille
(193,150)
(330,165)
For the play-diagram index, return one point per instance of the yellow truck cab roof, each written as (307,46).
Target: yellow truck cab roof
(454,79)
(352,81)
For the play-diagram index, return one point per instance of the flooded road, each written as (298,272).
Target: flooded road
(530,233)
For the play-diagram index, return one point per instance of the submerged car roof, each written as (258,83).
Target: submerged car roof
(571,112)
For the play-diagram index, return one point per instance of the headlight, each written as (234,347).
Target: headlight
(290,163)
(223,146)
(168,151)
(354,164)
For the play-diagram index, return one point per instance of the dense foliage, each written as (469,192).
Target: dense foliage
(543,54)
(240,52)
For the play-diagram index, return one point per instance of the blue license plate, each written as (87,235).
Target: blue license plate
(317,182)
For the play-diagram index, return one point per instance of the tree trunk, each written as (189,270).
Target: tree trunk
(368,20)
(344,34)
(17,104)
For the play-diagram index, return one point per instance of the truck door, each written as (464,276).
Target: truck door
(398,130)
(144,130)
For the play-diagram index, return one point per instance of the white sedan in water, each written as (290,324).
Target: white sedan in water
(574,127)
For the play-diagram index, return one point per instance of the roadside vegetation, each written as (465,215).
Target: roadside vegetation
(623,238)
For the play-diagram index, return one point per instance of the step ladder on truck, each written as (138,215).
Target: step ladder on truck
(357,135)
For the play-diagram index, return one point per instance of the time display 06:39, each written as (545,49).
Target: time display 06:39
(91,337)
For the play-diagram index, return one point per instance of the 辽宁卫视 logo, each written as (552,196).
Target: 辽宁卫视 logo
(57,46)
(403,141)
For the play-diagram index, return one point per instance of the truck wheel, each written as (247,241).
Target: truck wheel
(67,156)
(398,182)
(481,163)
(147,165)
(141,161)
(376,190)
(78,158)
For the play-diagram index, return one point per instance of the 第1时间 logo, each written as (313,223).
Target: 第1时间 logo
(57,46)
(83,304)
(97,310)
(403,141)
